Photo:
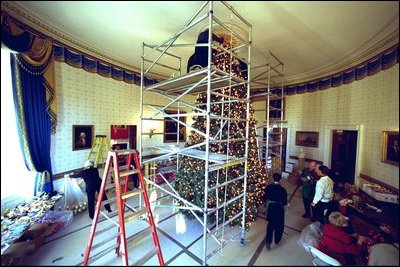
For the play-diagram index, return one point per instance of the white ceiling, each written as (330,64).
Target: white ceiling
(311,38)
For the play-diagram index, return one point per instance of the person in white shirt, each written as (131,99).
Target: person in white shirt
(323,194)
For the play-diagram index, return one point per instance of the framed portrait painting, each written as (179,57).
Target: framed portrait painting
(309,139)
(82,137)
(390,147)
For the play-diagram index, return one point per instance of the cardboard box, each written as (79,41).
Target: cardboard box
(369,188)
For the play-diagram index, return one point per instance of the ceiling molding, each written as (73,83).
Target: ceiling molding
(380,47)
(24,16)
(366,51)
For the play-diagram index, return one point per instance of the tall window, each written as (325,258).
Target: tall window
(16,180)
(171,128)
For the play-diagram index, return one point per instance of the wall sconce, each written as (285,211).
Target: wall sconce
(151,132)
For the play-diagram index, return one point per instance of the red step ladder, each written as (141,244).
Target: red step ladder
(122,193)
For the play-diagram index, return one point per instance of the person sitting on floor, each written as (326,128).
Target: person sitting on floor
(338,244)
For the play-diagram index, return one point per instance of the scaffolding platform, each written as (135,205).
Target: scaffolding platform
(196,82)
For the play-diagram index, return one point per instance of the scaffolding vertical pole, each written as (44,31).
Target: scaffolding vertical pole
(206,167)
(267,155)
(141,103)
(141,114)
(246,154)
(282,117)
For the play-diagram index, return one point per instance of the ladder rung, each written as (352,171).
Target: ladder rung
(140,235)
(146,257)
(128,172)
(132,193)
(125,152)
(108,239)
(130,217)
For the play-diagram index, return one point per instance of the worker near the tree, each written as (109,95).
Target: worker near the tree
(93,183)
(276,199)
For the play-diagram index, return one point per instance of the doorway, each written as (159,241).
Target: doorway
(132,136)
(344,154)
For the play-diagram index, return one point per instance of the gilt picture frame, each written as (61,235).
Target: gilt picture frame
(82,137)
(308,139)
(390,147)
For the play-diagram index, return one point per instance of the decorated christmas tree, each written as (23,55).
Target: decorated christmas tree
(191,172)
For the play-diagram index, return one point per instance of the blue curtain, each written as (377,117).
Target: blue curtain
(29,89)
(37,121)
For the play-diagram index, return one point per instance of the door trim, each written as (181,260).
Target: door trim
(328,136)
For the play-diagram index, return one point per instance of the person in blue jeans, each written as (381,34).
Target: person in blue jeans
(275,197)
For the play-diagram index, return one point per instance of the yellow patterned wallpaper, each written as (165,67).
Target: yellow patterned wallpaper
(371,103)
(89,99)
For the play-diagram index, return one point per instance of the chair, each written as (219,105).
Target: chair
(322,259)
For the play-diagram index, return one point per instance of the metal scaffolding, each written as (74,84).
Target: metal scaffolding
(271,140)
(210,81)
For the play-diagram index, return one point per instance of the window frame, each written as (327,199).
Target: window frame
(182,128)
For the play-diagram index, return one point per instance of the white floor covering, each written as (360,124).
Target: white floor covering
(183,249)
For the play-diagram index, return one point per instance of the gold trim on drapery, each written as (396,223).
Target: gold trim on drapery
(38,60)
(21,121)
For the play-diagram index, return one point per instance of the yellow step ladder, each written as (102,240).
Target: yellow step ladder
(99,150)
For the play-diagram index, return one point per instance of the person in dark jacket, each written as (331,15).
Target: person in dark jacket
(309,178)
(276,200)
(93,183)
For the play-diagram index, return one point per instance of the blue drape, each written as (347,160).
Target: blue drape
(79,60)
(30,100)
(37,122)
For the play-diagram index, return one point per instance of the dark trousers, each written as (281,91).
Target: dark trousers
(91,196)
(135,180)
(275,229)
(307,205)
(319,211)
(308,208)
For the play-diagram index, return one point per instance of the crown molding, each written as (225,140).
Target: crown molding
(17,11)
(388,42)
